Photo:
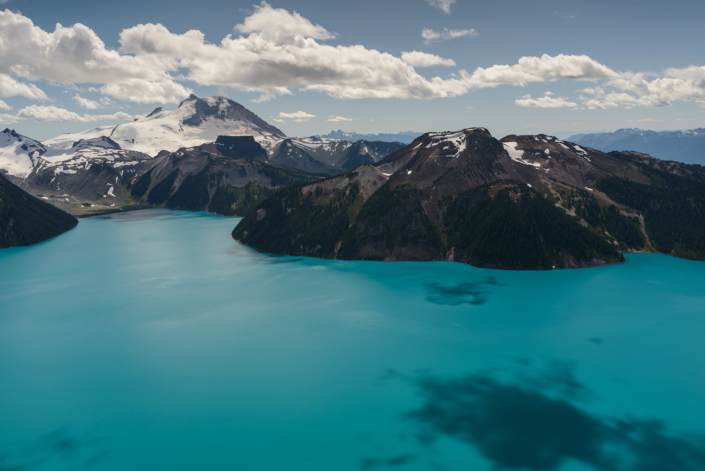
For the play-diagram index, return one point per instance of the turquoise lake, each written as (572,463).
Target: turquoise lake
(151,340)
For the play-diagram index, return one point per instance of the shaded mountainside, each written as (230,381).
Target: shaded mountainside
(672,203)
(89,179)
(27,220)
(222,178)
(525,202)
(681,146)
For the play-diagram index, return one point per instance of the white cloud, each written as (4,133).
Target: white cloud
(8,119)
(647,120)
(422,59)
(442,4)
(431,36)
(10,87)
(4,106)
(73,54)
(277,22)
(86,103)
(144,91)
(275,51)
(545,102)
(299,116)
(565,16)
(278,120)
(52,113)
(337,119)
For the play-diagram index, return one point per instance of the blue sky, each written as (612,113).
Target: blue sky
(605,64)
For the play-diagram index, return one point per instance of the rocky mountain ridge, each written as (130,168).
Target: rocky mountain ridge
(41,167)
(522,202)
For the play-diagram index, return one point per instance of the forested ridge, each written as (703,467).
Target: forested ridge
(27,220)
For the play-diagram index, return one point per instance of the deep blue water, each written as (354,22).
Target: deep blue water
(152,340)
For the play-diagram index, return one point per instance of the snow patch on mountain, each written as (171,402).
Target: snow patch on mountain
(19,154)
(196,121)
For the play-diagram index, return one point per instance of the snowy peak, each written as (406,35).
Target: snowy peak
(19,154)
(194,111)
(405,137)
(195,122)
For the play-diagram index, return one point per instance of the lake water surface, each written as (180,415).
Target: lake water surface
(151,340)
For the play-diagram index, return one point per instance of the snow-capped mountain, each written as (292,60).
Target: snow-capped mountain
(321,155)
(405,136)
(195,122)
(19,154)
(681,146)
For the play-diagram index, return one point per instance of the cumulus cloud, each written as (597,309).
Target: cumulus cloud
(10,87)
(274,51)
(429,36)
(422,59)
(277,22)
(8,118)
(337,119)
(443,5)
(145,91)
(545,102)
(52,113)
(4,106)
(278,120)
(299,116)
(86,103)
(73,54)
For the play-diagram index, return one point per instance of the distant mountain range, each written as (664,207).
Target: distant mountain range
(93,170)
(405,137)
(522,202)
(525,202)
(680,146)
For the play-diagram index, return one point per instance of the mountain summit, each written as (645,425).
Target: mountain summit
(522,202)
(195,122)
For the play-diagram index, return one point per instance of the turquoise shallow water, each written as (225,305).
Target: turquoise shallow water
(152,340)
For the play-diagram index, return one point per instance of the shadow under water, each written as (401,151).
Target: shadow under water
(473,293)
(56,449)
(538,424)
(371,463)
